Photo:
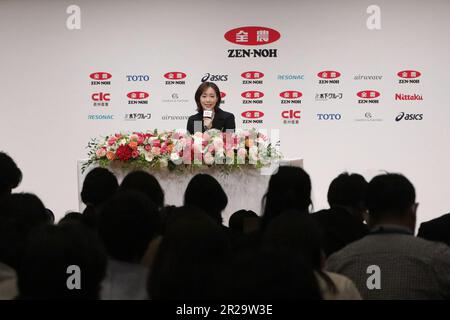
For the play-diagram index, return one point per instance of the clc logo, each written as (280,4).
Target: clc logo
(100,96)
(291,114)
(329,116)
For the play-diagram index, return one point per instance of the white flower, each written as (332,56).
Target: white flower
(218,143)
(175,158)
(148,156)
(208,158)
(163,162)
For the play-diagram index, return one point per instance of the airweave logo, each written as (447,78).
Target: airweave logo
(175,78)
(138,97)
(367,77)
(252,116)
(409,76)
(252,77)
(171,117)
(329,77)
(368,96)
(409,116)
(252,97)
(214,77)
(100,78)
(291,97)
(252,36)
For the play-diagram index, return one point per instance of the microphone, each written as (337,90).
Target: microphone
(207,114)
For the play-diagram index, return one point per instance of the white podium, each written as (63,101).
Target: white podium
(245,188)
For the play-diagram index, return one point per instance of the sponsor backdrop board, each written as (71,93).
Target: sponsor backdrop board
(355,86)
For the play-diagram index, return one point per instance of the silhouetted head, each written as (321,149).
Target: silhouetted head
(10,174)
(99,185)
(146,183)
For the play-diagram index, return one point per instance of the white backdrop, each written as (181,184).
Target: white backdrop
(46,91)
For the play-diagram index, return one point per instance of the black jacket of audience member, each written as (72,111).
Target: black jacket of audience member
(436,230)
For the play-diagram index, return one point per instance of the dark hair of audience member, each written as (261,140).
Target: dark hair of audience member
(270,275)
(298,234)
(146,183)
(51,251)
(206,193)
(239,219)
(289,188)
(19,214)
(71,217)
(191,259)
(389,195)
(347,190)
(127,224)
(10,174)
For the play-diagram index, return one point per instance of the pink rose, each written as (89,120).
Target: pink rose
(135,154)
(111,141)
(156,151)
(156,143)
(101,152)
(134,137)
(147,147)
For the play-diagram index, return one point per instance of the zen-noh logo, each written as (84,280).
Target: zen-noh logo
(222,96)
(252,36)
(252,116)
(252,77)
(175,77)
(100,78)
(138,97)
(409,76)
(368,96)
(291,97)
(252,97)
(329,77)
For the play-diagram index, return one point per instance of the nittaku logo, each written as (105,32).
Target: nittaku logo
(368,96)
(138,77)
(175,98)
(101,99)
(138,97)
(175,77)
(100,117)
(101,78)
(174,117)
(291,116)
(214,77)
(252,116)
(252,97)
(252,77)
(329,116)
(409,76)
(137,116)
(328,96)
(409,116)
(290,77)
(291,97)
(408,97)
(369,117)
(365,77)
(252,36)
(329,77)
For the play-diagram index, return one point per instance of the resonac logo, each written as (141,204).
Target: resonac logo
(291,116)
(101,99)
(100,78)
(409,76)
(252,36)
(409,116)
(329,77)
(252,77)
(291,97)
(175,78)
(138,97)
(252,116)
(329,96)
(368,96)
(252,97)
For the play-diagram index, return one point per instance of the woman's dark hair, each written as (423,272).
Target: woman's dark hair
(99,185)
(205,192)
(201,89)
(10,174)
(146,183)
(298,234)
(289,188)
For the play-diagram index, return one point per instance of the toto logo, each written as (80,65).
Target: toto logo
(329,74)
(252,36)
(175,75)
(291,94)
(222,94)
(252,75)
(409,74)
(368,94)
(252,94)
(252,114)
(100,75)
(138,95)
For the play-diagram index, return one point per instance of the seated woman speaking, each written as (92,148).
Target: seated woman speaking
(209,115)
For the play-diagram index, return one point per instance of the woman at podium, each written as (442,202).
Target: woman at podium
(209,115)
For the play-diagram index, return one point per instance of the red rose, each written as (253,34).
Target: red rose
(124,152)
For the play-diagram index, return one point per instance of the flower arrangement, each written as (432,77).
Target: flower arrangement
(179,150)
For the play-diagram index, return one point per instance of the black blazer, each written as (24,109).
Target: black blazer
(436,230)
(222,120)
